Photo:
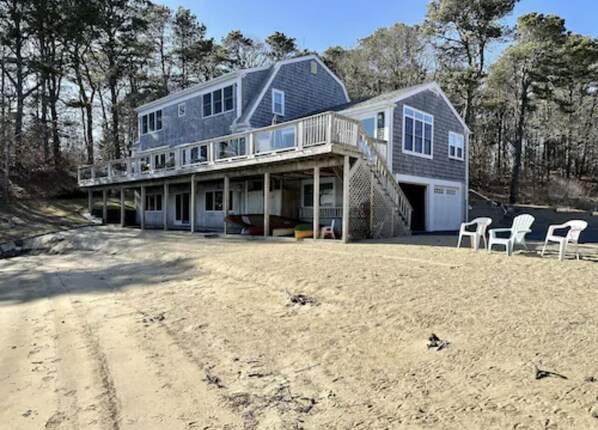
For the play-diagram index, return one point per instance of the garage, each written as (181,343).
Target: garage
(447,204)
(438,205)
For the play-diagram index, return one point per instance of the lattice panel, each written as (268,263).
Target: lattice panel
(360,185)
(372,214)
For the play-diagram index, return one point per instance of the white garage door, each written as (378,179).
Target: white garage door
(447,208)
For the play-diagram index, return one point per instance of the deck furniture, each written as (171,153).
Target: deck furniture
(575,228)
(521,226)
(328,231)
(475,236)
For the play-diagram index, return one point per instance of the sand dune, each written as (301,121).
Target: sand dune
(130,330)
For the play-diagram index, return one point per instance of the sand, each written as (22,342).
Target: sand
(120,329)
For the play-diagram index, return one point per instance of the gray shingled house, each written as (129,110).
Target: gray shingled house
(270,145)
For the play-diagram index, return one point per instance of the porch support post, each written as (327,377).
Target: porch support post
(316,204)
(165,206)
(122,206)
(346,177)
(142,216)
(192,203)
(89,200)
(105,206)
(266,204)
(225,199)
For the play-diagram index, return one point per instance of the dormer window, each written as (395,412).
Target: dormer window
(278,102)
(219,101)
(151,122)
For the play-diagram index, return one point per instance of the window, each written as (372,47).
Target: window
(326,195)
(278,102)
(456,146)
(151,122)
(218,101)
(213,201)
(417,132)
(374,125)
(369,124)
(182,109)
(153,202)
(314,67)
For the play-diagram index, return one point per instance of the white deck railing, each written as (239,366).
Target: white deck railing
(323,129)
(325,212)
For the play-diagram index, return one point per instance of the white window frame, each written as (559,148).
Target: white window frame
(149,129)
(153,197)
(322,182)
(453,134)
(276,92)
(218,90)
(423,121)
(182,109)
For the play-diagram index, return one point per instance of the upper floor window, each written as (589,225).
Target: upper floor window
(218,101)
(151,122)
(278,102)
(417,132)
(456,146)
(182,109)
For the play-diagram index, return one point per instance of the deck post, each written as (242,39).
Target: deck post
(142,216)
(122,206)
(165,206)
(266,204)
(89,200)
(105,206)
(316,203)
(225,200)
(346,197)
(192,203)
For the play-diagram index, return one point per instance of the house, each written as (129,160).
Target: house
(285,142)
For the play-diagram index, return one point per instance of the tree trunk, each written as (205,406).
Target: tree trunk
(514,189)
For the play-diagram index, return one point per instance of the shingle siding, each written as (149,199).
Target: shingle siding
(440,166)
(304,93)
(252,85)
(189,128)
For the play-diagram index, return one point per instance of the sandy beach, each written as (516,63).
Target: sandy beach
(122,329)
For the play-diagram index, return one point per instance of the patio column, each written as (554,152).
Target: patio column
(346,177)
(316,204)
(89,200)
(105,206)
(266,204)
(122,207)
(142,216)
(225,198)
(165,206)
(192,203)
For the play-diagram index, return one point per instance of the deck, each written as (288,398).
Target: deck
(322,136)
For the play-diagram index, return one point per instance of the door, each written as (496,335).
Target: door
(447,208)
(181,213)
(416,194)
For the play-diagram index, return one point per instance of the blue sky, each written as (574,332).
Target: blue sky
(318,24)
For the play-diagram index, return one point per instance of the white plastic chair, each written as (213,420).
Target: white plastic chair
(328,231)
(521,226)
(575,228)
(475,236)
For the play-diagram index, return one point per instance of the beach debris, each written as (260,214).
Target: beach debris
(590,379)
(541,374)
(302,300)
(212,379)
(156,318)
(435,342)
